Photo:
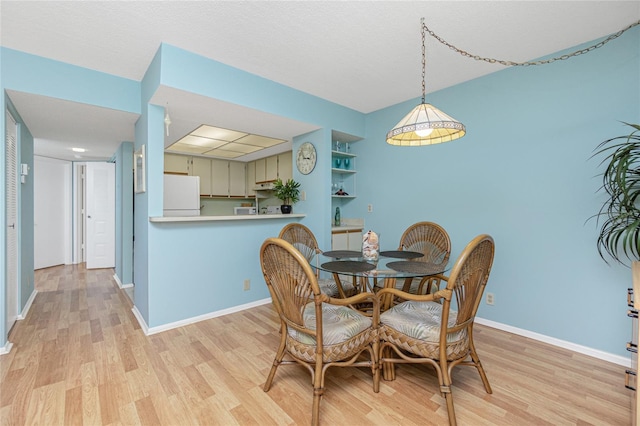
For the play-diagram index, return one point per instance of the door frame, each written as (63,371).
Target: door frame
(12,287)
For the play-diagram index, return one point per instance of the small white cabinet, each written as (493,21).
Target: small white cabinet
(346,239)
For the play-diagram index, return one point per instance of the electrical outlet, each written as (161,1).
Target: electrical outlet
(247,285)
(369,208)
(490,299)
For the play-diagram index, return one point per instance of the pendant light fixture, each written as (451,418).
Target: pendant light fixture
(167,119)
(425,124)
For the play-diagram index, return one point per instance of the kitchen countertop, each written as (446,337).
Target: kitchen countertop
(346,228)
(165,219)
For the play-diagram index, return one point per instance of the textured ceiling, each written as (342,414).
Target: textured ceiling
(361,54)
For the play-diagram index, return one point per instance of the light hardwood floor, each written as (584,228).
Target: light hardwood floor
(80,357)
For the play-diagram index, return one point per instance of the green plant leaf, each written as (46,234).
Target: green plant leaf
(619,217)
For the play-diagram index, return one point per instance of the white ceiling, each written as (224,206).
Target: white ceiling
(361,54)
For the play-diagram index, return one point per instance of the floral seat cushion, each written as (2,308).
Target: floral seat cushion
(329,287)
(339,324)
(420,321)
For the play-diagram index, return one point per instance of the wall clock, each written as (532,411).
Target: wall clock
(306,158)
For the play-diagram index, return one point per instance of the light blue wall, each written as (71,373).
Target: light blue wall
(523,174)
(124,213)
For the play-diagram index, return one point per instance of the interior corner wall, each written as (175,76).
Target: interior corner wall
(124,213)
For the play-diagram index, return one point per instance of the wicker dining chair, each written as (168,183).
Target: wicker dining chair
(303,239)
(434,243)
(421,330)
(317,331)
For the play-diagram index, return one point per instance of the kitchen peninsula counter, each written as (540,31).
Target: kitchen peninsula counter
(174,219)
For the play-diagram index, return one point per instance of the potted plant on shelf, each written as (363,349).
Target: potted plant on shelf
(619,236)
(288,192)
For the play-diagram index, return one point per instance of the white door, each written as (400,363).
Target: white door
(11,195)
(101,215)
(52,212)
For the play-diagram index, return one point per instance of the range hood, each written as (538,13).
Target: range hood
(265,186)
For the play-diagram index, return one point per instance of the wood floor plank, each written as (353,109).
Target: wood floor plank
(80,357)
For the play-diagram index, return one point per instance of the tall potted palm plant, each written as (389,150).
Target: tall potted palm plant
(619,236)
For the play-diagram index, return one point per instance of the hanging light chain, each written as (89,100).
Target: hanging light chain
(424,62)
(513,63)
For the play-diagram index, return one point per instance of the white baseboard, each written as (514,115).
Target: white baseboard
(6,348)
(141,321)
(120,285)
(153,330)
(605,356)
(25,311)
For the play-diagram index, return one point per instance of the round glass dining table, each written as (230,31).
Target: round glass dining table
(372,275)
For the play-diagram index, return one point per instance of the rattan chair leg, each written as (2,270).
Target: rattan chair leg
(317,396)
(450,411)
(477,363)
(445,390)
(276,362)
(375,365)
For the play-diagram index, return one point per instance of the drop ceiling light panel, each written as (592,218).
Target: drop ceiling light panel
(218,133)
(212,141)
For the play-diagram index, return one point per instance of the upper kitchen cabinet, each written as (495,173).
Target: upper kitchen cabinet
(237,179)
(218,178)
(202,167)
(271,168)
(285,166)
(267,169)
(176,164)
(251,179)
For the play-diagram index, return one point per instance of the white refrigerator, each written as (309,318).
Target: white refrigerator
(181,195)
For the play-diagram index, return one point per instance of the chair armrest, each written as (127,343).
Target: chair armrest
(359,298)
(440,294)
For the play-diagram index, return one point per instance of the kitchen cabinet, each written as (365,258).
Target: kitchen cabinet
(176,164)
(250,179)
(269,169)
(285,166)
(202,167)
(219,178)
(237,179)
(261,170)
(346,239)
